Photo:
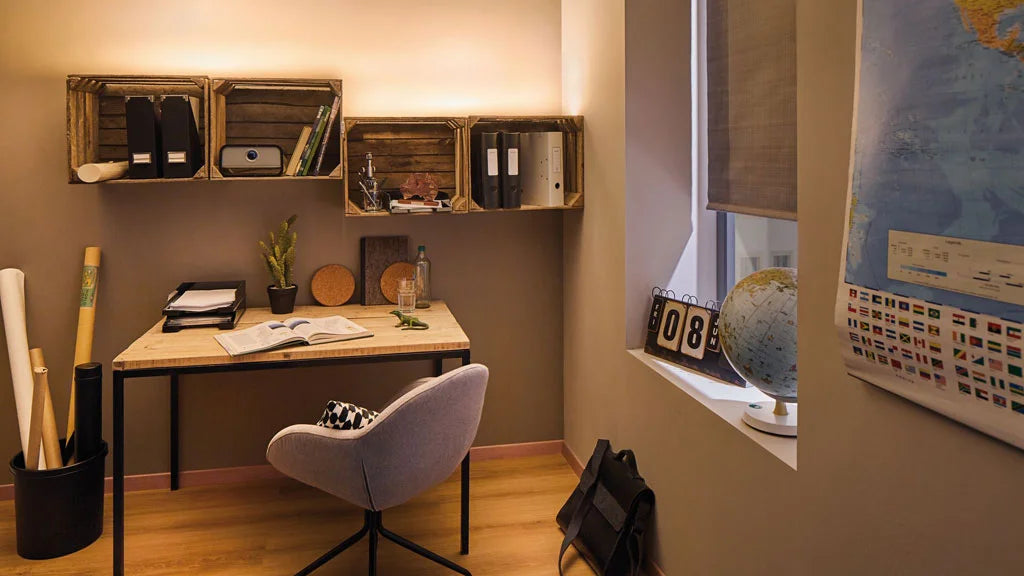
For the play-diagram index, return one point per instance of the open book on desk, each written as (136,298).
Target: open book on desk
(291,332)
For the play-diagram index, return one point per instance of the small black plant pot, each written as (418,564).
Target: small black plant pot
(282,300)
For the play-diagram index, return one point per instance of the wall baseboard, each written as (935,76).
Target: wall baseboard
(500,451)
(650,567)
(214,476)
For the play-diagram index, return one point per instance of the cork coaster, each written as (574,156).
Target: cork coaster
(389,279)
(333,285)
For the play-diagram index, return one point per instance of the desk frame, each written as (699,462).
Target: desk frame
(121,375)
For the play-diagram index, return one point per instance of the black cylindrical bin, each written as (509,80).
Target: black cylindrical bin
(88,409)
(59,511)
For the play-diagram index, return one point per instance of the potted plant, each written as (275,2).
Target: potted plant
(279,257)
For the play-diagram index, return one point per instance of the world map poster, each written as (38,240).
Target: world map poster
(931,295)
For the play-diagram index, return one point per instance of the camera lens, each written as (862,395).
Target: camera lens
(252,155)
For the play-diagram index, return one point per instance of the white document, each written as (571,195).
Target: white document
(277,334)
(203,300)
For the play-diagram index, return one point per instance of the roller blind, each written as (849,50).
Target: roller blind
(751,75)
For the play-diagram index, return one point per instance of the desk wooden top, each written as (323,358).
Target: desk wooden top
(196,347)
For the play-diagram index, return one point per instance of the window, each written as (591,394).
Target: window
(747,244)
(744,82)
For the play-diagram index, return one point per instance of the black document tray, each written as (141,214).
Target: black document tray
(233,309)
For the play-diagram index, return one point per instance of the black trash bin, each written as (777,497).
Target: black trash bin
(58,511)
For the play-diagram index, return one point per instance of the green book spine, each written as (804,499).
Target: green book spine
(327,135)
(306,150)
(307,162)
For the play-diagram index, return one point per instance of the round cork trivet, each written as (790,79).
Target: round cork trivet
(333,285)
(389,279)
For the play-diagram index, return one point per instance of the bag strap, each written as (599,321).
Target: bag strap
(588,485)
(629,459)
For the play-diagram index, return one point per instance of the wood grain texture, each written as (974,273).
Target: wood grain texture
(376,253)
(272,111)
(278,526)
(402,146)
(196,346)
(571,128)
(96,116)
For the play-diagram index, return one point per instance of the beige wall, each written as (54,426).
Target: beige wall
(501,273)
(884,486)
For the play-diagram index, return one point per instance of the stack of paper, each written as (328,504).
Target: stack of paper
(203,300)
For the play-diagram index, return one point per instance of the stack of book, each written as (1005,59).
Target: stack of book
(308,155)
(412,206)
(202,304)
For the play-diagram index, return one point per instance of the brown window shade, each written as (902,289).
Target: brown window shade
(751,51)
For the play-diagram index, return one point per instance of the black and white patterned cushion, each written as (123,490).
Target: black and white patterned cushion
(346,416)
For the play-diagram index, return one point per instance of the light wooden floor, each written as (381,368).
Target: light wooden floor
(278,526)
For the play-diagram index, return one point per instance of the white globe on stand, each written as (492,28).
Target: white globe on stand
(757,328)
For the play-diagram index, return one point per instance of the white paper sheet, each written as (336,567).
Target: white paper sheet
(12,301)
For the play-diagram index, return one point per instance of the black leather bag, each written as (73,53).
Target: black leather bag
(607,514)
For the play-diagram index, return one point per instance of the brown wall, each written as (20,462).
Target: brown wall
(500,273)
(884,486)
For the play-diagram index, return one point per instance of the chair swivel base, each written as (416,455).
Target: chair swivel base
(373,528)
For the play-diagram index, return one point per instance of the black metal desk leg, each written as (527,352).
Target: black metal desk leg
(118,473)
(174,431)
(465,486)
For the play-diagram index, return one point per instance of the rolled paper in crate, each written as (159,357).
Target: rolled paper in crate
(12,301)
(102,171)
(88,410)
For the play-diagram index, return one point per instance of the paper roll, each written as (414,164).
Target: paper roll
(35,428)
(86,321)
(51,439)
(12,302)
(90,173)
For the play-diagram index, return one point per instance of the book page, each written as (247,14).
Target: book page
(258,338)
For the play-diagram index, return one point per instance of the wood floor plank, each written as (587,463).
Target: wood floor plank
(278,526)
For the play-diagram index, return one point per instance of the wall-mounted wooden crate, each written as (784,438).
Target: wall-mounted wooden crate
(571,128)
(402,147)
(261,111)
(96,125)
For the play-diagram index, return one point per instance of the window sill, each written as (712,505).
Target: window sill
(725,400)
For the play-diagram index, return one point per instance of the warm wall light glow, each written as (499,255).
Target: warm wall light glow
(396,57)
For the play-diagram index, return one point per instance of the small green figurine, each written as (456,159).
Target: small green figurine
(410,322)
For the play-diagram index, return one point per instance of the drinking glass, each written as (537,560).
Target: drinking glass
(406,295)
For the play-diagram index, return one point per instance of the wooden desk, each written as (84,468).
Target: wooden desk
(194,351)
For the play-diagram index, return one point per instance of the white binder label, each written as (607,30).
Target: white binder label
(556,159)
(141,158)
(513,161)
(492,161)
(175,157)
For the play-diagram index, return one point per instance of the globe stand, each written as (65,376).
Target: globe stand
(781,421)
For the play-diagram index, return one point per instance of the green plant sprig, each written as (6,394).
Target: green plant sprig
(279,255)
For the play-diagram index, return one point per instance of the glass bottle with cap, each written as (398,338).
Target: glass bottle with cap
(422,264)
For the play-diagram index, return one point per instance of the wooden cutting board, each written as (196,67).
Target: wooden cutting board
(376,253)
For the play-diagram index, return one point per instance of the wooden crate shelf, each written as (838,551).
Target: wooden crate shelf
(261,111)
(96,124)
(402,147)
(571,128)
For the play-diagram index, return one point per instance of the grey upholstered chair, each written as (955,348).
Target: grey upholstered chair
(417,442)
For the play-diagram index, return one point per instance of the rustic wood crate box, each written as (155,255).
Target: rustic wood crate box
(571,128)
(96,125)
(401,147)
(251,111)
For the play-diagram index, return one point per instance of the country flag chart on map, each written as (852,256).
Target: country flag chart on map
(931,294)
